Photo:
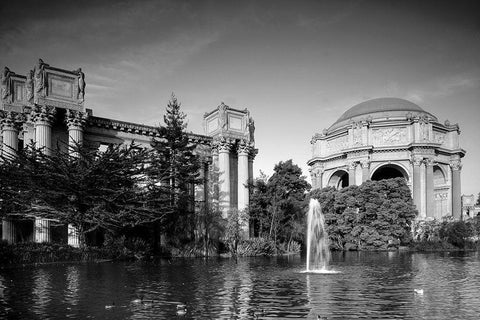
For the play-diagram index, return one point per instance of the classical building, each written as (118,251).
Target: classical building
(390,137)
(47,107)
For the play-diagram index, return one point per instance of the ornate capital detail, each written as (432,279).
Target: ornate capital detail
(316,137)
(76,119)
(456,164)
(43,115)
(224,144)
(243,147)
(417,160)
(409,116)
(11,120)
(429,162)
(365,164)
(317,171)
(352,165)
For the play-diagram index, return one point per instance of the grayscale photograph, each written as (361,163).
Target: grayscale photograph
(220,159)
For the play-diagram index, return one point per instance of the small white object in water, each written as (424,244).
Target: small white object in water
(108,307)
(418,291)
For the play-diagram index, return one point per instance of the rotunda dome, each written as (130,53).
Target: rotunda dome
(379,108)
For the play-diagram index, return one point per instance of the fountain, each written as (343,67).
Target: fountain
(318,251)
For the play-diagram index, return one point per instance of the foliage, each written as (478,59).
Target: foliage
(377,215)
(87,188)
(478,200)
(456,233)
(174,171)
(277,204)
(234,232)
(256,247)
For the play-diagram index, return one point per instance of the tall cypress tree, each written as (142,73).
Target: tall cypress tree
(175,154)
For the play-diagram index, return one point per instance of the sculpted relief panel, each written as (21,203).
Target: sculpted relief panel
(389,136)
(61,87)
(337,144)
(438,137)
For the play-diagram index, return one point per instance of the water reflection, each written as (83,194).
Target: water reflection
(370,286)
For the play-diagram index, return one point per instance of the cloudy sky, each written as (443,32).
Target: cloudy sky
(296,65)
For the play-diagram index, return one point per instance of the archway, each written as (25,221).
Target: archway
(389,171)
(440,192)
(339,179)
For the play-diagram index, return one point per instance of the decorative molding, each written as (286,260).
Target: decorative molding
(456,164)
(75,119)
(43,115)
(11,120)
(416,160)
(429,162)
(225,144)
(243,147)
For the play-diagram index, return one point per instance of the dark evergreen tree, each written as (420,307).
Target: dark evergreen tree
(175,155)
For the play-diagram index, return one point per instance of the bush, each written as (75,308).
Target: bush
(256,247)
(456,233)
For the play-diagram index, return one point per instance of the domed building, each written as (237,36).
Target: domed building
(387,138)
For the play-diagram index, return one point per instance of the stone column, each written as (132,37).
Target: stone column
(224,147)
(456,167)
(75,123)
(243,180)
(430,203)
(365,170)
(9,230)
(351,173)
(251,157)
(10,124)
(214,179)
(417,187)
(42,230)
(42,118)
(243,177)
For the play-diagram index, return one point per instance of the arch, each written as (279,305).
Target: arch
(339,179)
(439,177)
(389,171)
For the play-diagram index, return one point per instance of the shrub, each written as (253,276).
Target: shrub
(256,247)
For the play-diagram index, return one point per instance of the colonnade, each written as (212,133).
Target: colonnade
(223,151)
(42,118)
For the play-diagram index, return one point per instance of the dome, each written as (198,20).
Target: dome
(382,107)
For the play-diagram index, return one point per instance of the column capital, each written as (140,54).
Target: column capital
(10,120)
(416,160)
(352,165)
(76,119)
(253,153)
(43,115)
(243,148)
(456,164)
(365,164)
(224,144)
(429,162)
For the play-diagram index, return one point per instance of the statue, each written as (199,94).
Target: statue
(222,116)
(29,86)
(251,129)
(6,83)
(39,78)
(81,85)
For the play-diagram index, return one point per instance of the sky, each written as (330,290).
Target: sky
(296,65)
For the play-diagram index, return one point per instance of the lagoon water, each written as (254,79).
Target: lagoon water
(385,285)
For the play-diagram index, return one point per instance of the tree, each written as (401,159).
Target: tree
(278,205)
(375,215)
(91,190)
(174,154)
(478,200)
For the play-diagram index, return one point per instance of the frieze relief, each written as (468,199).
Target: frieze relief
(335,145)
(438,137)
(389,136)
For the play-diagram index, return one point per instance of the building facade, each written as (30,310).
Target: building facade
(47,107)
(387,138)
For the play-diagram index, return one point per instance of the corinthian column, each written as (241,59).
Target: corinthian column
(417,185)
(243,196)
(456,166)
(75,123)
(224,146)
(351,173)
(365,169)
(429,163)
(42,118)
(10,124)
